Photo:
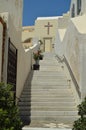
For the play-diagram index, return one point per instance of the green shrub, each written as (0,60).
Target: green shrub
(80,124)
(9,119)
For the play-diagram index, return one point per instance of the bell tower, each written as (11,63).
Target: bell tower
(76,8)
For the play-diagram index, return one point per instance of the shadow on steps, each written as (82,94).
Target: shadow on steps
(25,101)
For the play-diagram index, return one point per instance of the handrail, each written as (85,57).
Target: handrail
(72,76)
(63,59)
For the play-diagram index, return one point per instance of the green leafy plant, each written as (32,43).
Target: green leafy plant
(9,117)
(36,55)
(80,124)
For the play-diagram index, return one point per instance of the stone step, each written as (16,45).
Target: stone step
(50,124)
(59,119)
(45,73)
(60,99)
(47,96)
(52,94)
(48,104)
(48,83)
(49,64)
(54,113)
(50,113)
(48,86)
(40,79)
(50,69)
(39,128)
(57,90)
(49,77)
(48,90)
(49,61)
(52,103)
(43,99)
(30,108)
(40,108)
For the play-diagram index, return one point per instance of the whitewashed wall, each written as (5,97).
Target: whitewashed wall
(14,7)
(58,45)
(74,45)
(1,36)
(75,3)
(12,13)
(24,61)
(82,42)
(58,42)
(26,33)
(83,7)
(72,50)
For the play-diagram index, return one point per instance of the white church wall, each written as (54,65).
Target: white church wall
(27,33)
(41,30)
(1,31)
(63,22)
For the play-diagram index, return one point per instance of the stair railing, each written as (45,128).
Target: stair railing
(63,59)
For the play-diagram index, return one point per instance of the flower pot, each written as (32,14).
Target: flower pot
(37,62)
(36,67)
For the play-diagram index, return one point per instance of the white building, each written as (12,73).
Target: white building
(78,7)
(13,69)
(71,44)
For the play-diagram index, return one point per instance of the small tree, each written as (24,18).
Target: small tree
(9,118)
(80,124)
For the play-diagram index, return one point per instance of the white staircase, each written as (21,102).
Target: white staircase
(47,99)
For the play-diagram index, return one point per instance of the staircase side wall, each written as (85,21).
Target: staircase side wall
(72,51)
(75,53)
(58,45)
(83,65)
(72,47)
(1,35)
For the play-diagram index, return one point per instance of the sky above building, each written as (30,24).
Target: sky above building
(43,8)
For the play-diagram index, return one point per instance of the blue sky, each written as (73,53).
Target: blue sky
(43,8)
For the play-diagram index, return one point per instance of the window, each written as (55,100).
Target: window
(78,7)
(73,10)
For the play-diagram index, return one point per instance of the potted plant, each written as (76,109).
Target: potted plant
(36,59)
(40,55)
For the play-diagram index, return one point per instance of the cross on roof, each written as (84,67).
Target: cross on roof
(48,27)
